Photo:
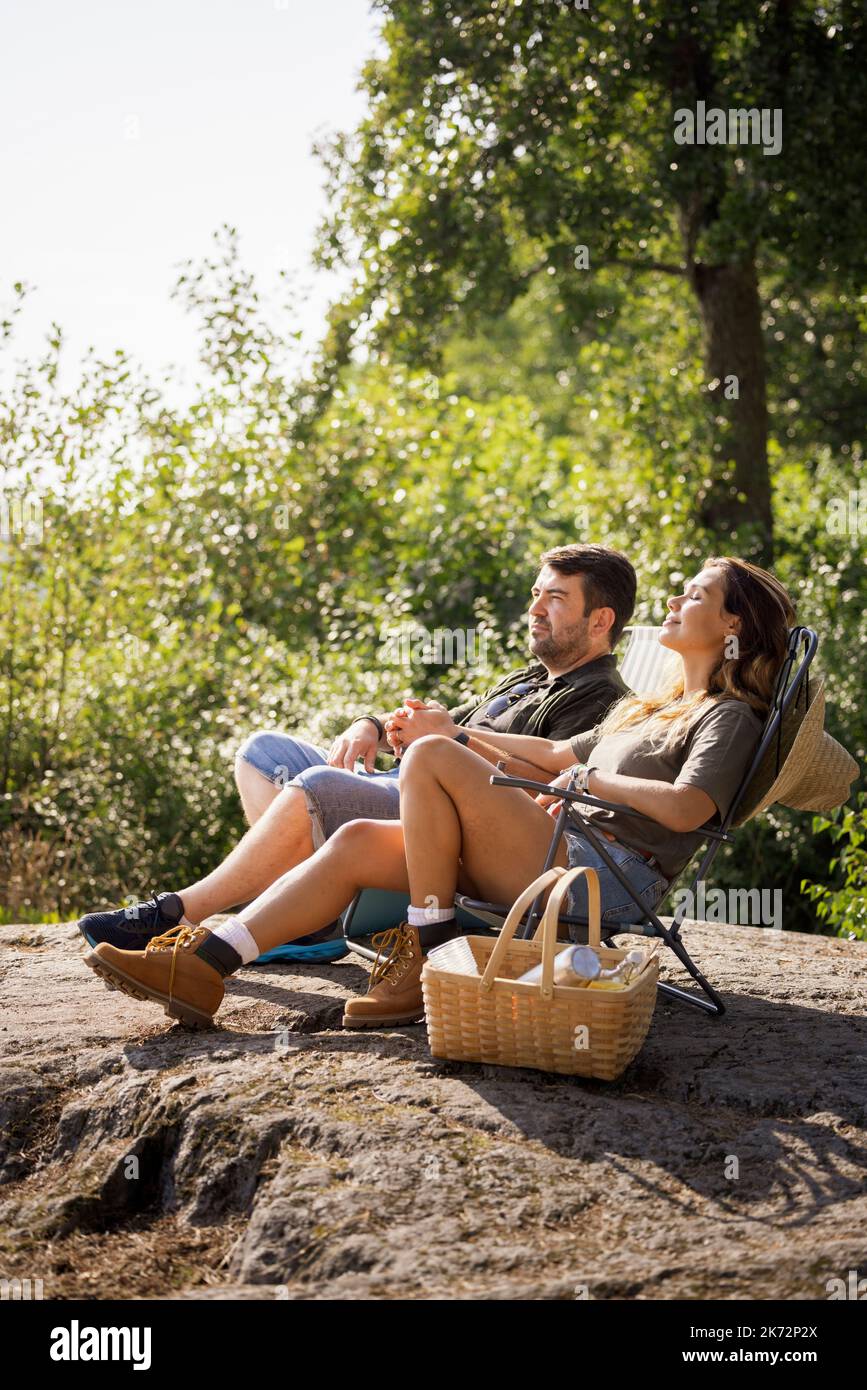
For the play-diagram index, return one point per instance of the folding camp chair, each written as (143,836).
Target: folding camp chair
(764,767)
(643,667)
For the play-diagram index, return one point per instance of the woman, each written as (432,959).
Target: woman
(677,758)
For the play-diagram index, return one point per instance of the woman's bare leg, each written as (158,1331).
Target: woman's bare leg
(361,854)
(450,812)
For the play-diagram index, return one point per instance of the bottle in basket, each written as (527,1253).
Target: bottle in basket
(579,966)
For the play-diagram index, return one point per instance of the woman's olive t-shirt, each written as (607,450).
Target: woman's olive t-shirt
(713,756)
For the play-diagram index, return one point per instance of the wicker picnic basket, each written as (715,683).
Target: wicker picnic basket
(490,1017)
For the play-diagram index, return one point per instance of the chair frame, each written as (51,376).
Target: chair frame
(803,640)
(648,923)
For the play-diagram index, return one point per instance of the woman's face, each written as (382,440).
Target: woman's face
(697,619)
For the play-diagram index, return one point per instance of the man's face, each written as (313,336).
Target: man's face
(558,625)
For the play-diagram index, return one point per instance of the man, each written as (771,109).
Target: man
(295,795)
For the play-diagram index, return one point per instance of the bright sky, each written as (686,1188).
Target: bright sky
(130,132)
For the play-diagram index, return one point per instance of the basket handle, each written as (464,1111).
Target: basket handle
(548,926)
(594,906)
(510,926)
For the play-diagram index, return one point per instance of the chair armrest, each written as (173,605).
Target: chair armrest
(566,794)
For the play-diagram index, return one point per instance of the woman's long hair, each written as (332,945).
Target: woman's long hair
(750,674)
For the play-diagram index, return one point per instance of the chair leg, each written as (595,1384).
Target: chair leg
(353,943)
(358,949)
(713,1004)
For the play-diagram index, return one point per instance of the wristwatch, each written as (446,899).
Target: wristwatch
(462,738)
(579,783)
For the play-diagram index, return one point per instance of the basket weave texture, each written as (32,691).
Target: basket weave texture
(546,1026)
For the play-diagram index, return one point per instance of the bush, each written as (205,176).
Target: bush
(845,907)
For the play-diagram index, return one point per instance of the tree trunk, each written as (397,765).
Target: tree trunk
(738,505)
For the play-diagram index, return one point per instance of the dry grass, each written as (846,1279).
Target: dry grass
(33,874)
(155,1259)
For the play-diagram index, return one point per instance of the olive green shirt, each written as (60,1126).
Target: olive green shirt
(713,756)
(531,701)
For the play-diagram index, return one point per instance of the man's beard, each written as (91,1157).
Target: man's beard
(566,649)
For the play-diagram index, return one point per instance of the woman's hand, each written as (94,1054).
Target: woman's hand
(552,803)
(394,734)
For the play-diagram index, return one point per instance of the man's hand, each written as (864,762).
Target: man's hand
(414,719)
(360,740)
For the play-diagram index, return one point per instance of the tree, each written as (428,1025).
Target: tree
(505,141)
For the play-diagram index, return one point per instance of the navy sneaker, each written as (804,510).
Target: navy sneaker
(131,928)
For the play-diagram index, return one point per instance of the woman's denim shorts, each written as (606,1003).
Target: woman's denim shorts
(617,906)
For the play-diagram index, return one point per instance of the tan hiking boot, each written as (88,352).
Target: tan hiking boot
(170,971)
(394,995)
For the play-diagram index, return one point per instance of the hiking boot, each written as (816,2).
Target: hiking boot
(131,928)
(182,970)
(394,995)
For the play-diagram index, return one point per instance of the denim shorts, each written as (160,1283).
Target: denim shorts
(616,904)
(333,795)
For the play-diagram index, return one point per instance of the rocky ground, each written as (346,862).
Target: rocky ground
(278,1156)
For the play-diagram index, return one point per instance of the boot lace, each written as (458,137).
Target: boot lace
(175,939)
(394,952)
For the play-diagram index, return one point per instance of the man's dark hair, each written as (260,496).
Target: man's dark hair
(608,579)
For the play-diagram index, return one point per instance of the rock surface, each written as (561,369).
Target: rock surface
(279,1156)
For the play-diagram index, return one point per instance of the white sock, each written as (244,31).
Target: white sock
(236,935)
(428,916)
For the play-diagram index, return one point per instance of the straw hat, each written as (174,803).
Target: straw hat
(815,771)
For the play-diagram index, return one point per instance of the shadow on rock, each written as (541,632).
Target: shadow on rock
(767,1103)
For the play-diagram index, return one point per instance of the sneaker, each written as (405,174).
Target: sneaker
(131,928)
(394,996)
(178,970)
(327,944)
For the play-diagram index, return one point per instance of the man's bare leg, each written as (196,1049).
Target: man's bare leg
(257,792)
(280,837)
